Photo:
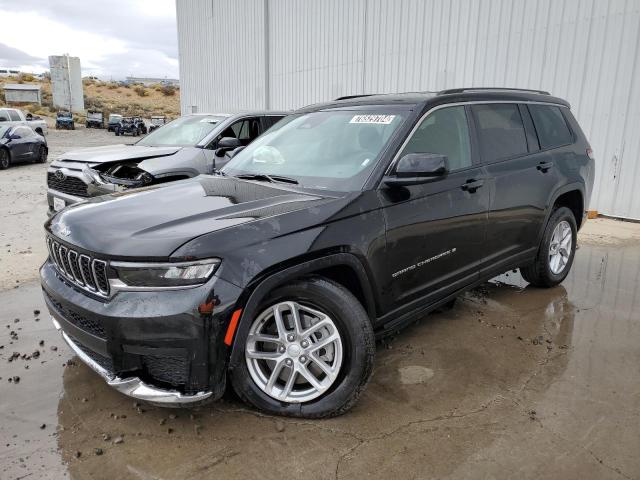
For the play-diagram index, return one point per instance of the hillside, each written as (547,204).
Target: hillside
(109,97)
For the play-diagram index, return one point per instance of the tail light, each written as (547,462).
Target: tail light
(590,153)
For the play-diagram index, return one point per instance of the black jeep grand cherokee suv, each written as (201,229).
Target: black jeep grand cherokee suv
(345,221)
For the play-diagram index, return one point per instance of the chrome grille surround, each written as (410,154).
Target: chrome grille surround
(88,273)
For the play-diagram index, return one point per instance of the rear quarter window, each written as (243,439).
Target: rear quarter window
(551,127)
(500,131)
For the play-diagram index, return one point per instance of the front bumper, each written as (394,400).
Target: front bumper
(153,346)
(133,387)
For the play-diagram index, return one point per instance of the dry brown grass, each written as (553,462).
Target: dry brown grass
(109,97)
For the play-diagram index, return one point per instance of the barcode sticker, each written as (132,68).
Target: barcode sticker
(376,119)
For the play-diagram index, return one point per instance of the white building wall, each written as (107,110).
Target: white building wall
(284,54)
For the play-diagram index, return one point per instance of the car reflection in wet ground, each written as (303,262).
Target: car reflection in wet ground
(511,381)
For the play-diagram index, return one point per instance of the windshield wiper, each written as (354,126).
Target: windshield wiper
(263,177)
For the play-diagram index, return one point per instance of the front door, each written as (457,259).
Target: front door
(436,230)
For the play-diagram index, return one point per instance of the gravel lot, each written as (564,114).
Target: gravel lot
(23,205)
(513,382)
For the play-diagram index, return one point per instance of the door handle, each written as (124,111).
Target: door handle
(544,166)
(472,185)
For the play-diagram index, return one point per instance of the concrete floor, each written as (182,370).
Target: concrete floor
(513,382)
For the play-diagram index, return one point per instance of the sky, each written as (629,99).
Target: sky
(113,38)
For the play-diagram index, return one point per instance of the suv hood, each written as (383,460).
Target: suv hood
(117,153)
(152,223)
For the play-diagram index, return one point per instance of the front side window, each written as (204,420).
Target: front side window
(183,132)
(245,130)
(550,125)
(332,149)
(444,131)
(500,131)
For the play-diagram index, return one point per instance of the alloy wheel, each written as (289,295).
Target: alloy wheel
(560,247)
(293,352)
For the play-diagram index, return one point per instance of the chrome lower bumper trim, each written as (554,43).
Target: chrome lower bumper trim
(133,387)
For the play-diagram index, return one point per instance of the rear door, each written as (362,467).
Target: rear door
(521,178)
(436,230)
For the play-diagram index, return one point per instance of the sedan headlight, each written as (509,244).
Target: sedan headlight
(165,275)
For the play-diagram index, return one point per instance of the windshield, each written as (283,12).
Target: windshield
(182,132)
(64,115)
(115,118)
(333,150)
(4,130)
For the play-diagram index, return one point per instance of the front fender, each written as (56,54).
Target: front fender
(264,284)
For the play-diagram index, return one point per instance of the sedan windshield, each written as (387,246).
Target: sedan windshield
(333,150)
(183,132)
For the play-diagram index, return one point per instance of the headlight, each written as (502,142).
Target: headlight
(163,275)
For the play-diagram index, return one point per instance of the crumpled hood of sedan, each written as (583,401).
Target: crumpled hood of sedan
(117,153)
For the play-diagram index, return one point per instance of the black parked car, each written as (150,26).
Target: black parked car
(65,120)
(21,144)
(133,125)
(345,221)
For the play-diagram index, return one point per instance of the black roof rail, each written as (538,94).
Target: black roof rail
(489,89)
(349,97)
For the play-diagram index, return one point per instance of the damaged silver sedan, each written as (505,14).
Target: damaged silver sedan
(186,147)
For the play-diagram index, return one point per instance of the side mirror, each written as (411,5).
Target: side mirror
(236,151)
(29,117)
(417,168)
(225,144)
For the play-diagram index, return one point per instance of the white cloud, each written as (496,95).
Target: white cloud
(112,39)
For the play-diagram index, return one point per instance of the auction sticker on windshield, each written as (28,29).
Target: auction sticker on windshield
(376,119)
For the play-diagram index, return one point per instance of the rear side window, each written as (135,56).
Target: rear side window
(445,131)
(500,131)
(551,126)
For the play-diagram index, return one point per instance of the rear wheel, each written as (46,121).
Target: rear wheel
(556,251)
(42,154)
(5,160)
(308,353)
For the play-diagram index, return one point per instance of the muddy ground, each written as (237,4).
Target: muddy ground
(513,382)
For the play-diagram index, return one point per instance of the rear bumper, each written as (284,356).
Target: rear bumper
(153,346)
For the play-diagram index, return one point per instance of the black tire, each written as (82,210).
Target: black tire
(42,154)
(358,346)
(117,130)
(5,159)
(539,272)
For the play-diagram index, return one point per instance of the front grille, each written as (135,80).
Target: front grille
(69,185)
(171,369)
(86,272)
(83,323)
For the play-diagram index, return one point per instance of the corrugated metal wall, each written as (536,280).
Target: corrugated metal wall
(281,54)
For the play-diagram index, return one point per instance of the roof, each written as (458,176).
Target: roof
(411,99)
(21,86)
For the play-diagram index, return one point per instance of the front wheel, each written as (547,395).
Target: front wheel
(309,352)
(556,251)
(5,161)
